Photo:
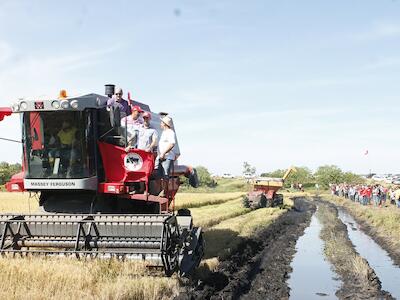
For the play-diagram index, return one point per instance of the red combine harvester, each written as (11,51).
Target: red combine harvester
(264,193)
(96,199)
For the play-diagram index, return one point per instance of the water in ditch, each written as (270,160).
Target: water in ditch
(378,258)
(312,277)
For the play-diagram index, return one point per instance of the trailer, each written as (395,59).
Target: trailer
(264,192)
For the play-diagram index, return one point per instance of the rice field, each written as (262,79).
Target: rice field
(225,223)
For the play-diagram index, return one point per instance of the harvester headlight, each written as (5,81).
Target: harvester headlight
(74,104)
(23,105)
(64,104)
(55,104)
(15,107)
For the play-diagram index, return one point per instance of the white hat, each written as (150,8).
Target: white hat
(167,121)
(118,91)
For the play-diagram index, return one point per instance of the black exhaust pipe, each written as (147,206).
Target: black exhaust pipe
(110,90)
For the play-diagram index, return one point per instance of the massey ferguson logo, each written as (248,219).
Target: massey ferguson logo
(39,105)
(133,162)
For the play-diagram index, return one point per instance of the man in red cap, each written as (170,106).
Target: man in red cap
(132,125)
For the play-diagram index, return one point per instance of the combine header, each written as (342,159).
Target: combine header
(264,193)
(97,199)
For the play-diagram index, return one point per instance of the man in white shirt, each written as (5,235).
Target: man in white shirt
(166,154)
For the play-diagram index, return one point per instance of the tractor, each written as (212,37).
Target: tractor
(264,193)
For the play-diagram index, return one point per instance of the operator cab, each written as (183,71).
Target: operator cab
(59,141)
(59,144)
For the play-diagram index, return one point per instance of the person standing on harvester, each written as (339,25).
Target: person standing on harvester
(148,136)
(132,124)
(166,155)
(118,101)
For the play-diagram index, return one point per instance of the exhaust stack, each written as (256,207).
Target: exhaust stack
(109,90)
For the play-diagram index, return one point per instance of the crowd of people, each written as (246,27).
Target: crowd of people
(377,194)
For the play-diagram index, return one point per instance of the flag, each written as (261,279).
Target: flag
(366,152)
(129,98)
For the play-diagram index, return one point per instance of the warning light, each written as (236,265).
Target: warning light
(63,94)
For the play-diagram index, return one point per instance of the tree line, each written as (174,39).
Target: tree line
(7,170)
(323,176)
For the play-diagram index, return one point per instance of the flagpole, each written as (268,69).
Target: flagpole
(368,163)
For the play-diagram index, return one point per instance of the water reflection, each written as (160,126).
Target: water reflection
(312,277)
(378,258)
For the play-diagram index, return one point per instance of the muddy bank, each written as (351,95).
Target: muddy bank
(359,279)
(260,267)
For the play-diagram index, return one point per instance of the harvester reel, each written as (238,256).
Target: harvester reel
(192,243)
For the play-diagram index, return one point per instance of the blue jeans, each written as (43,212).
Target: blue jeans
(376,199)
(398,203)
(165,168)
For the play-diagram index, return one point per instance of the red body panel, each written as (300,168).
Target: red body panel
(120,167)
(269,191)
(16,183)
(5,111)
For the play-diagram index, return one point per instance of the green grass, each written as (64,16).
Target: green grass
(224,185)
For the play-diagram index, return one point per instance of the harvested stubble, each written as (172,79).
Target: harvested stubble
(192,200)
(64,278)
(209,215)
(18,202)
(224,238)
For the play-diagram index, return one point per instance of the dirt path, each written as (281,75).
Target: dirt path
(260,268)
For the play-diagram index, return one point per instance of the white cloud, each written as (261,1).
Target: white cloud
(386,62)
(33,76)
(378,31)
(5,52)
(36,76)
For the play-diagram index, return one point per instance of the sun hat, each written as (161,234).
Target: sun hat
(167,121)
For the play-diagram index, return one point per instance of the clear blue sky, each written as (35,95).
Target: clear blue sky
(273,83)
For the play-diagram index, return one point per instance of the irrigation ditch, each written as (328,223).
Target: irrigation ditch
(312,251)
